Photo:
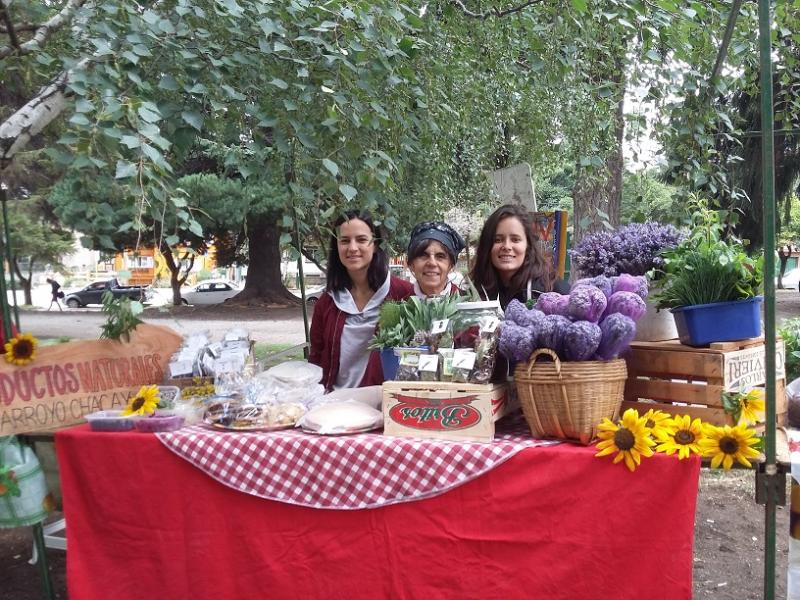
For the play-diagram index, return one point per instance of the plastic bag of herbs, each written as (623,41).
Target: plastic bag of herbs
(476,331)
(417,327)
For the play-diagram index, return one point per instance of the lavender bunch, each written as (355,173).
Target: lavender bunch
(634,249)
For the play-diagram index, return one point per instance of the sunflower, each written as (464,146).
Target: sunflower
(659,423)
(21,349)
(144,402)
(726,444)
(684,437)
(630,439)
(753,406)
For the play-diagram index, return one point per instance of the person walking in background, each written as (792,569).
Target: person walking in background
(55,290)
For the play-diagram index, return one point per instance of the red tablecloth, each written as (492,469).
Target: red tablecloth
(367,470)
(550,523)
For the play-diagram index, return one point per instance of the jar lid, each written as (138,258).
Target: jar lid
(483,304)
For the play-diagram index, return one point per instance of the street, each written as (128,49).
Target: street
(279,326)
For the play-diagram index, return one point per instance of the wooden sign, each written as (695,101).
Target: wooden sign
(66,381)
(747,368)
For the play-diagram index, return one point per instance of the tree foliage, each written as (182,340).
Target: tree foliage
(401,109)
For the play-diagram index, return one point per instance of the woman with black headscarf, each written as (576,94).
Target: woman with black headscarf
(432,255)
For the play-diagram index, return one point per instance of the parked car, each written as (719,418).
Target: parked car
(93,293)
(210,292)
(312,295)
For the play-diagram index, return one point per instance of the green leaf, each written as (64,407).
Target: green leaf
(136,307)
(579,5)
(131,141)
(279,83)
(148,115)
(168,82)
(152,154)
(80,119)
(192,118)
(172,240)
(125,169)
(83,106)
(348,191)
(331,166)
(196,228)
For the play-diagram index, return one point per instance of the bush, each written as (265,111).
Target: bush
(790,332)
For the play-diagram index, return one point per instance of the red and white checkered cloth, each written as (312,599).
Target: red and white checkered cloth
(366,470)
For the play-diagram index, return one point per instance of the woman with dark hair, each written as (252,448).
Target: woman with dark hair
(345,316)
(509,263)
(432,255)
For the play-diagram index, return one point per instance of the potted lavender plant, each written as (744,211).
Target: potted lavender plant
(635,249)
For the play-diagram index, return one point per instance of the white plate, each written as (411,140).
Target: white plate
(351,432)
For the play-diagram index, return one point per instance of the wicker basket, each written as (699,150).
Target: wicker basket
(568,400)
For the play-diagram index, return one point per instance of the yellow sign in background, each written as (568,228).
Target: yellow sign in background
(67,381)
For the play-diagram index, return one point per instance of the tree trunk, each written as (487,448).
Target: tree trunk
(264,283)
(597,194)
(175,279)
(26,283)
(597,197)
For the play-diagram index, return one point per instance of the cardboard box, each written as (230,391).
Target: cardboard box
(681,379)
(444,410)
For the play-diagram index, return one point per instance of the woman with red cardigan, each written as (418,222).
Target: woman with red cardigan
(346,315)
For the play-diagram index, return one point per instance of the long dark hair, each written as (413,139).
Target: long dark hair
(338,278)
(533,268)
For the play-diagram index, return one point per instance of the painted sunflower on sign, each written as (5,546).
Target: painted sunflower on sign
(727,444)
(629,438)
(684,438)
(21,349)
(144,402)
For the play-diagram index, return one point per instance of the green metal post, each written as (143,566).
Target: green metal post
(44,569)
(302,279)
(768,193)
(7,244)
(4,308)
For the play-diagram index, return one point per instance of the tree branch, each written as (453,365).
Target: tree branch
(19,128)
(21,27)
(44,31)
(12,33)
(494,12)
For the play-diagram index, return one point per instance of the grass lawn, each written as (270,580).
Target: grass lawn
(272,354)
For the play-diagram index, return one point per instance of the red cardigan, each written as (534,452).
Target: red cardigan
(327,325)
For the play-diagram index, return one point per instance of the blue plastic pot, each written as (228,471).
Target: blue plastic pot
(702,324)
(389,361)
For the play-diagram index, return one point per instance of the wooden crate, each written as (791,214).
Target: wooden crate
(444,410)
(681,379)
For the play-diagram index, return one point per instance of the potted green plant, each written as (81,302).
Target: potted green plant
(711,283)
(408,324)
(633,249)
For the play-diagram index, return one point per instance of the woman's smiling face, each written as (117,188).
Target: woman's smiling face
(356,245)
(431,268)
(509,248)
